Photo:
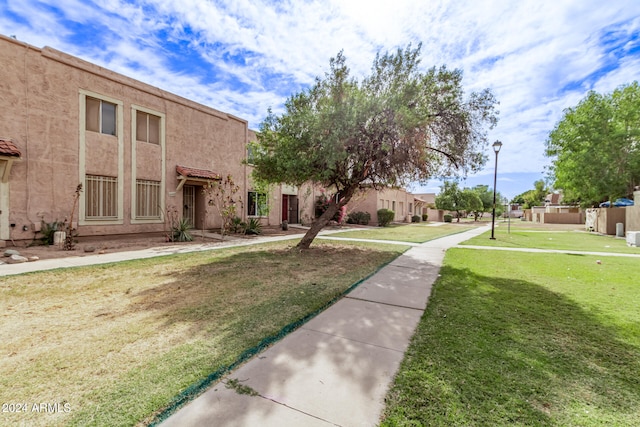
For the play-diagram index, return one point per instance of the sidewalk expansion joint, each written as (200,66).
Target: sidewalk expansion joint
(351,339)
(385,303)
(410,267)
(300,411)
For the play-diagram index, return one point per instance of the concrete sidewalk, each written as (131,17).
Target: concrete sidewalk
(335,369)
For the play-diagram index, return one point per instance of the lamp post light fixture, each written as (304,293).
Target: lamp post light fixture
(496,148)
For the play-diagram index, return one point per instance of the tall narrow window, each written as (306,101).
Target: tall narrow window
(100,116)
(101,197)
(147,199)
(257,204)
(147,127)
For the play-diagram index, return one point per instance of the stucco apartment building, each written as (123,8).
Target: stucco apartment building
(142,154)
(403,203)
(139,152)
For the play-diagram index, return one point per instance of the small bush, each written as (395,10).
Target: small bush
(385,216)
(448,218)
(415,218)
(180,231)
(237,225)
(425,217)
(361,218)
(253,227)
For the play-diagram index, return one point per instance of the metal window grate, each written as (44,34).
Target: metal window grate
(101,197)
(147,199)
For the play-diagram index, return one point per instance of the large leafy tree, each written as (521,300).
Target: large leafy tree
(596,147)
(472,202)
(534,197)
(450,198)
(461,201)
(398,125)
(486,197)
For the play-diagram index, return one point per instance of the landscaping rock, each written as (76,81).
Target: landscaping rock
(16,259)
(89,249)
(33,258)
(10,252)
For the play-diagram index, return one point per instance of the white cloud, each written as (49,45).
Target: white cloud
(537,57)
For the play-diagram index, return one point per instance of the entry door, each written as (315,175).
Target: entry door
(293,209)
(189,204)
(285,207)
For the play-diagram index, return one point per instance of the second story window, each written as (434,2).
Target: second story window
(101,116)
(147,127)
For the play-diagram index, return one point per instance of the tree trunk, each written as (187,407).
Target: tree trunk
(323,220)
(317,226)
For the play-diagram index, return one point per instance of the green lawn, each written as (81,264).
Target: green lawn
(116,343)
(527,340)
(412,233)
(564,240)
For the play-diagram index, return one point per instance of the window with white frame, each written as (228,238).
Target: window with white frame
(147,127)
(256,204)
(100,116)
(101,197)
(410,207)
(147,199)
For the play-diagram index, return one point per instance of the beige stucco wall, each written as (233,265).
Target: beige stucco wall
(607,218)
(41,103)
(633,214)
(397,200)
(562,218)
(366,201)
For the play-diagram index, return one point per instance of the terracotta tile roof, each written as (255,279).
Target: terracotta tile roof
(8,148)
(196,173)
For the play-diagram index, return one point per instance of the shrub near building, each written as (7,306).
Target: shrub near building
(385,216)
(361,218)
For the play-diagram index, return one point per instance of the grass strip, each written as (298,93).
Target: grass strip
(412,233)
(560,240)
(524,339)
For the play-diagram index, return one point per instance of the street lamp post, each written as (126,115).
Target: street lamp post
(496,148)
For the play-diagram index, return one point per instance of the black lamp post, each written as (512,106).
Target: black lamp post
(496,148)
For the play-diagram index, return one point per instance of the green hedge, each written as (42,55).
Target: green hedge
(385,216)
(415,218)
(448,218)
(361,218)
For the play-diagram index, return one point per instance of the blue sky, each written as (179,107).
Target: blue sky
(244,56)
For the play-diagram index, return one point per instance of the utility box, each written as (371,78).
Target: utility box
(633,238)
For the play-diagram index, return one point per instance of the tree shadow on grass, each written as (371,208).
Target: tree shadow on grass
(278,289)
(492,351)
